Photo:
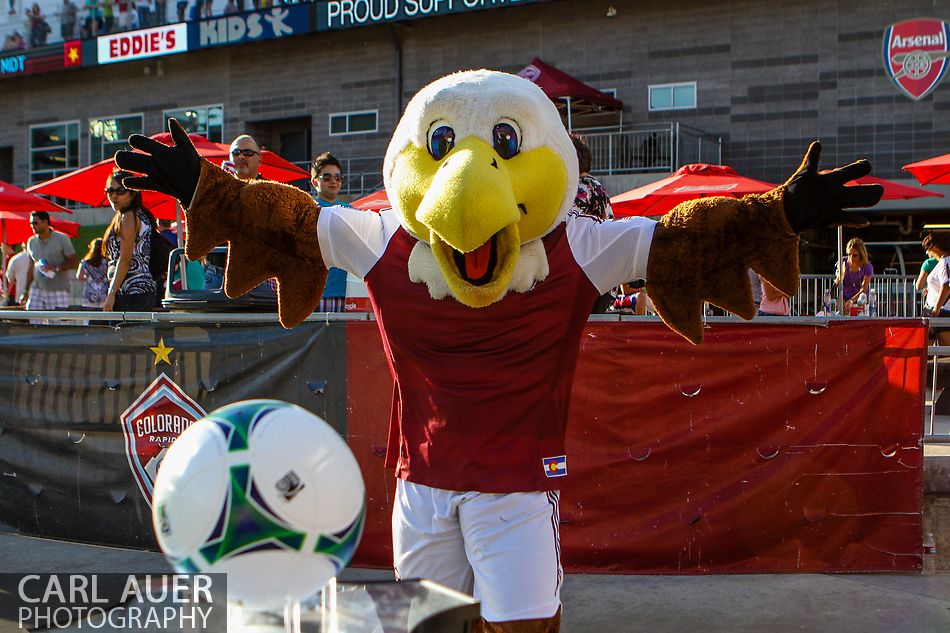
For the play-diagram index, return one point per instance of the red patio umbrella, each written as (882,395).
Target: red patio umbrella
(86,184)
(273,167)
(15,207)
(12,198)
(933,171)
(697,180)
(15,226)
(894,190)
(376,201)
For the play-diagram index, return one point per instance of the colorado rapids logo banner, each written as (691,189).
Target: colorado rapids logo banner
(155,420)
(915,55)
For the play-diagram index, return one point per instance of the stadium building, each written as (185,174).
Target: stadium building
(652,85)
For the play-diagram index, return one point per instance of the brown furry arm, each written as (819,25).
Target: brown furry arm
(272,230)
(702,249)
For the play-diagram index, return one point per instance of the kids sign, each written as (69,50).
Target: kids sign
(251,27)
(161,40)
(915,55)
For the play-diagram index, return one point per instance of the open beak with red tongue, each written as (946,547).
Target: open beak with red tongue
(476,266)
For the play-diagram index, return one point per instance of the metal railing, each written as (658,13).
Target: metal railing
(660,147)
(896,295)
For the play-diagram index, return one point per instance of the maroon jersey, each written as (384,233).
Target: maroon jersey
(480,398)
(481,394)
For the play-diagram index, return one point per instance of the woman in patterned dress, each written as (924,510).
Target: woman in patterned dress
(94,270)
(127,244)
(591,198)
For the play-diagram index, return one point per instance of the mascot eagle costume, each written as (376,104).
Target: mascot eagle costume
(481,285)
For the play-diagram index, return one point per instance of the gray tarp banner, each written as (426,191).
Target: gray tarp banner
(64,467)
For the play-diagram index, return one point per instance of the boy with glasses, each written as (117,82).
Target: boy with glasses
(326,176)
(51,257)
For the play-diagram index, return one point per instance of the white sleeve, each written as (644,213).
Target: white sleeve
(611,253)
(353,239)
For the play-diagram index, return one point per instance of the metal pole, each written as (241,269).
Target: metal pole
(674,147)
(180,234)
(933,394)
(3,267)
(840,257)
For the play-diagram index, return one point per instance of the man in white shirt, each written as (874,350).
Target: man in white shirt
(15,275)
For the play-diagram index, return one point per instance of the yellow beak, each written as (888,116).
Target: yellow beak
(475,209)
(470,197)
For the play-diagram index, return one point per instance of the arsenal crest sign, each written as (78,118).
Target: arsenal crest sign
(915,55)
(155,420)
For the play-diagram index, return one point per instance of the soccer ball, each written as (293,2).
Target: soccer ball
(264,491)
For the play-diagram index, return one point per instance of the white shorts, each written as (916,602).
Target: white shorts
(504,549)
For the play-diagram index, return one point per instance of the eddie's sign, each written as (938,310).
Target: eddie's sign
(161,40)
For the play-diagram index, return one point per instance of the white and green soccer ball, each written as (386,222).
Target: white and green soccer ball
(264,491)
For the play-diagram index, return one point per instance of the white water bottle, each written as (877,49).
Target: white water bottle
(826,302)
(862,304)
(930,555)
(872,303)
(44,269)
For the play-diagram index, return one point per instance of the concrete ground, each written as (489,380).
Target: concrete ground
(858,603)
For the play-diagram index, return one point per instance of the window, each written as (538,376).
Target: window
(107,135)
(353,122)
(54,151)
(673,96)
(208,121)
(609,91)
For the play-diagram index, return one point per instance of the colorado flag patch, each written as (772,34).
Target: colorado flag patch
(555,466)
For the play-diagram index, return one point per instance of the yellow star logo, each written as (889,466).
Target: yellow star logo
(162,352)
(73,54)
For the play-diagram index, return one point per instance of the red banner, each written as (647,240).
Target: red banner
(769,448)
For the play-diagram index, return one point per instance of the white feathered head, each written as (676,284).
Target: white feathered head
(479,165)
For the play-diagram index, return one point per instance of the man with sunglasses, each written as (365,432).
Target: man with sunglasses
(51,257)
(326,176)
(246,157)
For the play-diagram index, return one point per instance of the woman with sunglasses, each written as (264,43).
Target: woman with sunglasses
(127,244)
(855,271)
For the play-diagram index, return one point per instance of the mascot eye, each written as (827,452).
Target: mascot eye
(441,141)
(506,141)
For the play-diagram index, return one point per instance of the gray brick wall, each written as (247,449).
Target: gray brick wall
(770,77)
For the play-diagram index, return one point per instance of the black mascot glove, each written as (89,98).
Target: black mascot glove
(815,200)
(171,170)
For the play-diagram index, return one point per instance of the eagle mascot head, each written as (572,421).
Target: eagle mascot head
(479,168)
